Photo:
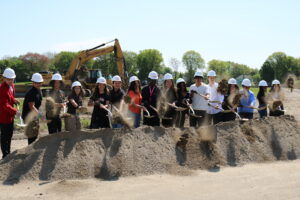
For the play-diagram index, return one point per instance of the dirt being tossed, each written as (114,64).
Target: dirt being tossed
(111,153)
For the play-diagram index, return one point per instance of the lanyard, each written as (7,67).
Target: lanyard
(151,91)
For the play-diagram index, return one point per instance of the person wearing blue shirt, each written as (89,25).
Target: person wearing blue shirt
(247,101)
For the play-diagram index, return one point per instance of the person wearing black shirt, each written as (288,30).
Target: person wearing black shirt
(261,96)
(116,99)
(183,98)
(55,124)
(75,99)
(32,102)
(150,96)
(100,101)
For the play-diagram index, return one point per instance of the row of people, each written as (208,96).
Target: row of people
(169,105)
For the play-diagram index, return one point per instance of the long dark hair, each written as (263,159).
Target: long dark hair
(261,91)
(179,91)
(81,94)
(133,85)
(96,90)
(229,86)
(51,83)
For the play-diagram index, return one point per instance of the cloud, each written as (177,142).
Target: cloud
(80,45)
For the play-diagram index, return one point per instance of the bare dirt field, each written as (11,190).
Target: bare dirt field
(62,168)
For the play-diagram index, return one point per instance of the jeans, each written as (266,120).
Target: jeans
(136,118)
(117,125)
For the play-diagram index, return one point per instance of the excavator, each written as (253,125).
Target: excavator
(88,77)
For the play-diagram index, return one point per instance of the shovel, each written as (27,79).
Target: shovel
(22,124)
(192,110)
(109,115)
(238,116)
(158,113)
(148,113)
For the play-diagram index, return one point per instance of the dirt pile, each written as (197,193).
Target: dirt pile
(109,154)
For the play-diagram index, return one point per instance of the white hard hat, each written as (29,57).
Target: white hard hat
(116,78)
(246,82)
(211,73)
(76,83)
(198,73)
(276,82)
(37,78)
(180,80)
(168,76)
(133,78)
(9,73)
(56,77)
(263,83)
(232,81)
(153,75)
(101,80)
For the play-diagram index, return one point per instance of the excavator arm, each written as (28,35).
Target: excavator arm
(89,54)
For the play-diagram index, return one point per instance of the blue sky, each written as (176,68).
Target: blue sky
(246,32)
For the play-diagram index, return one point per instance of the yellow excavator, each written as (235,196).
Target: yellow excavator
(88,77)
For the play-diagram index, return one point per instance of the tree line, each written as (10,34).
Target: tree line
(276,66)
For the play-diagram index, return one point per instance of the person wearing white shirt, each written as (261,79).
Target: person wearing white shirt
(215,99)
(199,97)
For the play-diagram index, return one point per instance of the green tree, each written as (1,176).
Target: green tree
(236,69)
(220,67)
(131,62)
(192,61)
(15,63)
(149,60)
(62,61)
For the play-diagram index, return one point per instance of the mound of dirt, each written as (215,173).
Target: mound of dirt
(109,154)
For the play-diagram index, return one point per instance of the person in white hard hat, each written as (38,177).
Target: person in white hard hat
(261,97)
(55,124)
(135,107)
(183,98)
(276,97)
(32,102)
(7,102)
(199,96)
(116,98)
(216,99)
(75,100)
(100,101)
(228,105)
(170,95)
(150,96)
(247,101)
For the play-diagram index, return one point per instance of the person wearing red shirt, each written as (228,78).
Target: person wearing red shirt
(7,101)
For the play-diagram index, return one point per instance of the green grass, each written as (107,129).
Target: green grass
(254,90)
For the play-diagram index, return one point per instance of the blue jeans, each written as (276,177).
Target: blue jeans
(263,113)
(117,125)
(136,117)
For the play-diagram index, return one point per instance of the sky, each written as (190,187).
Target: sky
(241,31)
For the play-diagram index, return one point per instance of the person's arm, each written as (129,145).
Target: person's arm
(73,103)
(5,106)
(32,107)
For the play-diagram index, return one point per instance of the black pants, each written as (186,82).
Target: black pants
(180,118)
(54,126)
(99,121)
(276,113)
(31,140)
(230,116)
(154,121)
(171,115)
(246,115)
(198,121)
(6,135)
(214,118)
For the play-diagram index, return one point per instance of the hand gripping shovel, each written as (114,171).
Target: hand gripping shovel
(22,124)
